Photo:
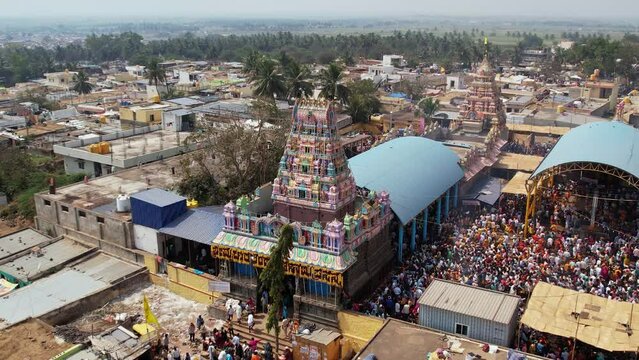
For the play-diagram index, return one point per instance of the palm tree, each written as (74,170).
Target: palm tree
(82,85)
(332,79)
(362,101)
(273,278)
(251,62)
(268,79)
(428,106)
(154,73)
(297,80)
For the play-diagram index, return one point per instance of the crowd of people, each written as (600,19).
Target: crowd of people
(539,149)
(219,344)
(486,248)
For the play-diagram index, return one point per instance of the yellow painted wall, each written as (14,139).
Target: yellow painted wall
(126,114)
(151,263)
(141,115)
(184,282)
(358,329)
(144,115)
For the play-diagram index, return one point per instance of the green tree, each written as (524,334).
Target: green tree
(428,107)
(268,80)
(273,277)
(251,62)
(154,73)
(298,80)
(241,157)
(362,100)
(332,81)
(82,85)
(197,182)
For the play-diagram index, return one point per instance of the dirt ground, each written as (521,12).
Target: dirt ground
(174,313)
(31,340)
(8,227)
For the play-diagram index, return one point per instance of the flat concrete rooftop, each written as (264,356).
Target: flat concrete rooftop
(30,266)
(416,342)
(19,241)
(71,284)
(138,145)
(104,190)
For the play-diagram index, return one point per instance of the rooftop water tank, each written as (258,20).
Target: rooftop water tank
(123,203)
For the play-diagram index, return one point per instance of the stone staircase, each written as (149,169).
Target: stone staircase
(259,332)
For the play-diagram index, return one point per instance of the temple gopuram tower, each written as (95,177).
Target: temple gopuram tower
(483,108)
(314,182)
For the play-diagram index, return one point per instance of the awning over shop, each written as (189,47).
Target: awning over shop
(606,324)
(520,162)
(303,262)
(189,225)
(516,185)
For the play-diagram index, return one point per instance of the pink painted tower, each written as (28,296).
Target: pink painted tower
(313,182)
(483,108)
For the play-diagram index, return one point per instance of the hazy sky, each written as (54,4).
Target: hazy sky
(53,9)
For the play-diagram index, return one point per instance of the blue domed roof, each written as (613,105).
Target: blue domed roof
(610,143)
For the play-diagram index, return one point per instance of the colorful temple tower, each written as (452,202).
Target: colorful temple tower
(341,239)
(483,108)
(314,182)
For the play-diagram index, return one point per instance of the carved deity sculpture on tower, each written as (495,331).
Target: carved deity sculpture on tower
(313,182)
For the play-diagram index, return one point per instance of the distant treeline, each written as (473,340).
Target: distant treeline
(450,49)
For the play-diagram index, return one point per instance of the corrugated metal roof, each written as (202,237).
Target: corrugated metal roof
(180,112)
(608,142)
(158,197)
(20,241)
(201,225)
(185,101)
(471,301)
(415,171)
(486,190)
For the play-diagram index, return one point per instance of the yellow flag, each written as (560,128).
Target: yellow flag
(485,40)
(148,314)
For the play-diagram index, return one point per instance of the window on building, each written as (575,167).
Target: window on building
(47,202)
(82,214)
(461,329)
(100,220)
(81,165)
(64,208)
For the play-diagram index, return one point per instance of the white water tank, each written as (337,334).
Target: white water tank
(123,203)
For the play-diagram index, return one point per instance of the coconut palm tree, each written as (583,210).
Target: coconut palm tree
(297,80)
(154,73)
(428,107)
(268,79)
(251,62)
(82,85)
(332,80)
(362,100)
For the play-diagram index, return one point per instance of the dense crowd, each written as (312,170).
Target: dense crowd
(539,149)
(487,249)
(223,343)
